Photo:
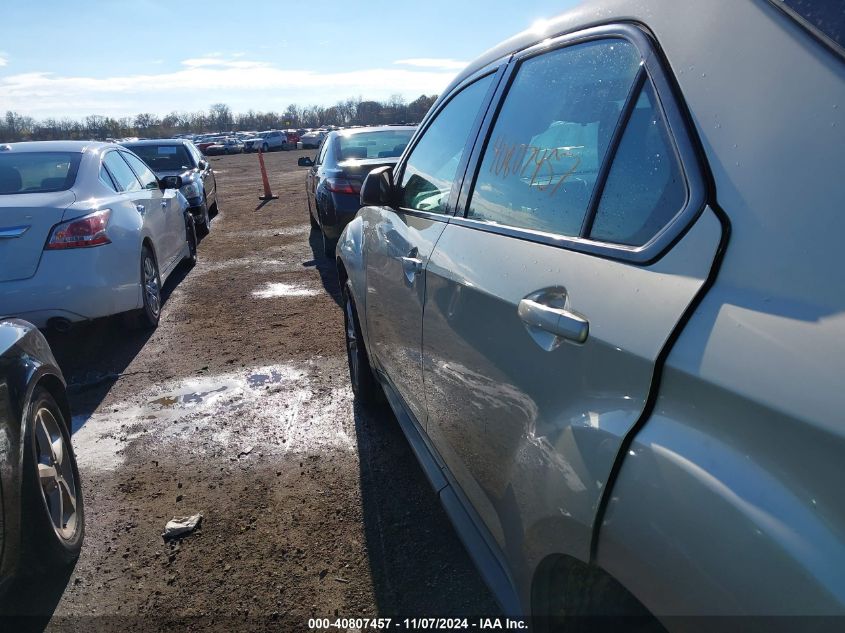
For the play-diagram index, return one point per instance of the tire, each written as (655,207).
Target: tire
(150,314)
(361,376)
(314,224)
(191,237)
(52,507)
(203,227)
(328,247)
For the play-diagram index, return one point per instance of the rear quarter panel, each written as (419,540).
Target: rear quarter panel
(729,501)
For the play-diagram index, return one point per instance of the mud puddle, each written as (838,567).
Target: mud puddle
(277,409)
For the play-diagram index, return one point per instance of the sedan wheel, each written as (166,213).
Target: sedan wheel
(53,513)
(204,225)
(360,373)
(151,284)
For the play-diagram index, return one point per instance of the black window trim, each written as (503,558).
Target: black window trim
(811,29)
(497,69)
(679,130)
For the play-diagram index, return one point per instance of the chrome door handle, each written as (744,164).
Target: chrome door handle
(164,203)
(411,265)
(556,321)
(140,208)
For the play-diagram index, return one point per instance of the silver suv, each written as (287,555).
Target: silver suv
(603,292)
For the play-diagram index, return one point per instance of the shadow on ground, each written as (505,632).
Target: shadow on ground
(324,265)
(93,355)
(29,602)
(419,567)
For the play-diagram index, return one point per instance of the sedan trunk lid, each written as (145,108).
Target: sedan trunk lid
(25,223)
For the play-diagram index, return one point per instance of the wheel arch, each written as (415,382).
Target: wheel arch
(564,586)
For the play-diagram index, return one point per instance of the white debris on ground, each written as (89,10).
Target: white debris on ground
(177,526)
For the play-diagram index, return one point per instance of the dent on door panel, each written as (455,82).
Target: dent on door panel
(530,435)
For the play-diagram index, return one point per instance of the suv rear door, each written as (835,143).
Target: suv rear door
(581,239)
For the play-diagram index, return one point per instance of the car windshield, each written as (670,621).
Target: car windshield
(164,157)
(377,144)
(38,172)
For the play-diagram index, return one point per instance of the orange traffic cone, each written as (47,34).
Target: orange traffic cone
(268,195)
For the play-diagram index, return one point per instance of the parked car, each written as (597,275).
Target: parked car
(267,141)
(602,291)
(334,179)
(228,145)
(312,140)
(292,138)
(41,509)
(204,143)
(87,230)
(179,157)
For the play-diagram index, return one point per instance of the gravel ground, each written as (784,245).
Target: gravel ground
(238,407)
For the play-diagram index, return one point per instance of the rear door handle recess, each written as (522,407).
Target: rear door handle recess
(557,321)
(140,208)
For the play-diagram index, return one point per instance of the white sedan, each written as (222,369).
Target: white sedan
(86,231)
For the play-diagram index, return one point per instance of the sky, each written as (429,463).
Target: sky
(119,58)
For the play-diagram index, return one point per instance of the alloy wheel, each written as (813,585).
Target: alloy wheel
(55,474)
(152,294)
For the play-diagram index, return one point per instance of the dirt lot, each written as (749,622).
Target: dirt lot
(238,407)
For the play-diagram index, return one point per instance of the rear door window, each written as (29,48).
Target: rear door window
(145,175)
(122,175)
(426,182)
(542,160)
(645,188)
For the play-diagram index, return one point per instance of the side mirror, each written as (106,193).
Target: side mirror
(304,161)
(203,164)
(377,189)
(171,182)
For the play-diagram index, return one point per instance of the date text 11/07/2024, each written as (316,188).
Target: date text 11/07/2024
(415,624)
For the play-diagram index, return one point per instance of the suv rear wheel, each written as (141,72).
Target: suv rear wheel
(361,376)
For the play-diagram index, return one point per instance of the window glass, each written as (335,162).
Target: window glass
(38,172)
(550,138)
(321,154)
(430,171)
(106,179)
(122,175)
(195,154)
(645,188)
(165,157)
(145,175)
(828,16)
(380,144)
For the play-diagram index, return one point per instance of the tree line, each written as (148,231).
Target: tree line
(218,118)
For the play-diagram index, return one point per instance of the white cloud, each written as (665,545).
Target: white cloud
(211,78)
(432,62)
(4,59)
(199,62)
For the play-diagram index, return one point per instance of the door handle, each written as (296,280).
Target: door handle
(411,265)
(557,321)
(140,208)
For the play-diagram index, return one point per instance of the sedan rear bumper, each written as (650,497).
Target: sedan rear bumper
(76,285)
(339,213)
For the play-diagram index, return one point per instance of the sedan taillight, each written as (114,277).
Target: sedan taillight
(342,185)
(84,232)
